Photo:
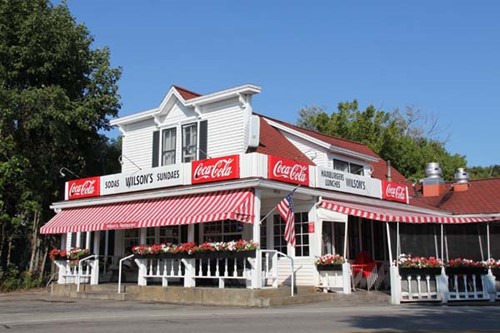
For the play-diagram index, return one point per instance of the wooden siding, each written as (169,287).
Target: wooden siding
(308,148)
(137,145)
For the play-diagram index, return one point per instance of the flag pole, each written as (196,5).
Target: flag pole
(274,208)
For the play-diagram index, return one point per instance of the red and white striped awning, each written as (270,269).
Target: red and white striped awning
(396,215)
(208,207)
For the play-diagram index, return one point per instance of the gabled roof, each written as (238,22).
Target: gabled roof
(380,166)
(481,197)
(272,142)
(186,94)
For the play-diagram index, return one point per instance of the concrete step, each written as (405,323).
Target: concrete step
(102,295)
(300,299)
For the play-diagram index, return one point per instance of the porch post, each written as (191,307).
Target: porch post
(94,278)
(345,237)
(488,239)
(256,282)
(189,264)
(142,235)
(69,239)
(78,239)
(442,242)
(87,240)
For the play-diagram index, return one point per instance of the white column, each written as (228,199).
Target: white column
(78,239)
(87,240)
(256,282)
(69,239)
(189,264)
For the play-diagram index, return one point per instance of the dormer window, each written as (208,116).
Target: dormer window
(344,166)
(168,146)
(193,147)
(189,142)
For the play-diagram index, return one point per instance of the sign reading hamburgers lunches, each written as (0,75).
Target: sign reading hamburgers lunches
(286,170)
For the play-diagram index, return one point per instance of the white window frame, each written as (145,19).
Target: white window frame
(167,158)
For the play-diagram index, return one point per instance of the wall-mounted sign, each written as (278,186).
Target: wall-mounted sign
(290,171)
(164,176)
(215,169)
(347,182)
(83,188)
(394,192)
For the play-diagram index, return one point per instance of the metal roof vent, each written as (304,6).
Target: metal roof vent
(433,170)
(461,176)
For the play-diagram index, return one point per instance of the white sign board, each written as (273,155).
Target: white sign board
(347,182)
(165,176)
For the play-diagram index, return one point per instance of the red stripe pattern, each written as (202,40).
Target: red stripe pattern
(286,210)
(395,215)
(208,207)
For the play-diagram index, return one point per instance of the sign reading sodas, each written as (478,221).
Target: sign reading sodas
(84,188)
(215,169)
(290,171)
(394,192)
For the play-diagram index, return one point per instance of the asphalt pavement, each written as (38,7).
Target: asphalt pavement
(38,312)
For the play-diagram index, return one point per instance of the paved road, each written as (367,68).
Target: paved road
(36,312)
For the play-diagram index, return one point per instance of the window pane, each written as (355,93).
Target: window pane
(168,146)
(189,142)
(356,169)
(340,165)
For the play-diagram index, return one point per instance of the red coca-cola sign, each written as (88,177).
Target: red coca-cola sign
(289,171)
(215,169)
(84,188)
(394,192)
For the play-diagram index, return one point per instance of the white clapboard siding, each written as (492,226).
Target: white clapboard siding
(137,145)
(226,129)
(178,113)
(304,271)
(309,149)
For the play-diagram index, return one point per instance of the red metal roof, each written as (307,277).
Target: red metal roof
(186,94)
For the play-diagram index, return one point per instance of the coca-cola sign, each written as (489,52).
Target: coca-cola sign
(394,192)
(215,169)
(289,171)
(84,188)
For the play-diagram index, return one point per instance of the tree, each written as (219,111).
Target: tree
(57,95)
(406,138)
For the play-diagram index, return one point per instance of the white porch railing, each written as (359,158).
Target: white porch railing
(120,265)
(444,287)
(78,271)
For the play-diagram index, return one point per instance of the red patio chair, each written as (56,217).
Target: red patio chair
(364,270)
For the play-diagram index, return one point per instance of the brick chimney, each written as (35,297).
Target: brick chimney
(433,184)
(461,180)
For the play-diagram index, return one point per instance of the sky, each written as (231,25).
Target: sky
(440,57)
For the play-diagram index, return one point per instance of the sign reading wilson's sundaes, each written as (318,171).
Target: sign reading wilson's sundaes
(165,176)
(347,182)
(215,169)
(286,170)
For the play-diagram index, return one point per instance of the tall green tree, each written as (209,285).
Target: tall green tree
(57,94)
(397,136)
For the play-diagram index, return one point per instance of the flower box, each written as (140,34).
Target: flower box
(404,272)
(466,270)
(333,267)
(162,256)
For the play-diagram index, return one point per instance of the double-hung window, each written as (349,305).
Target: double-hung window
(189,142)
(356,169)
(168,146)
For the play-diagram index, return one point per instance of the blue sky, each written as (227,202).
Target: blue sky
(442,57)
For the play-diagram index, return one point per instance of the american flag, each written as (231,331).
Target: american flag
(286,210)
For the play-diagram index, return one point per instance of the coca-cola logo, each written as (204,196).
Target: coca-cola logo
(395,192)
(288,170)
(83,188)
(215,169)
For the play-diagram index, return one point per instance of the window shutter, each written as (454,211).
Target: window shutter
(203,139)
(156,148)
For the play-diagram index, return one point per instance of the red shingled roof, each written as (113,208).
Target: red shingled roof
(272,142)
(481,197)
(380,167)
(186,94)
